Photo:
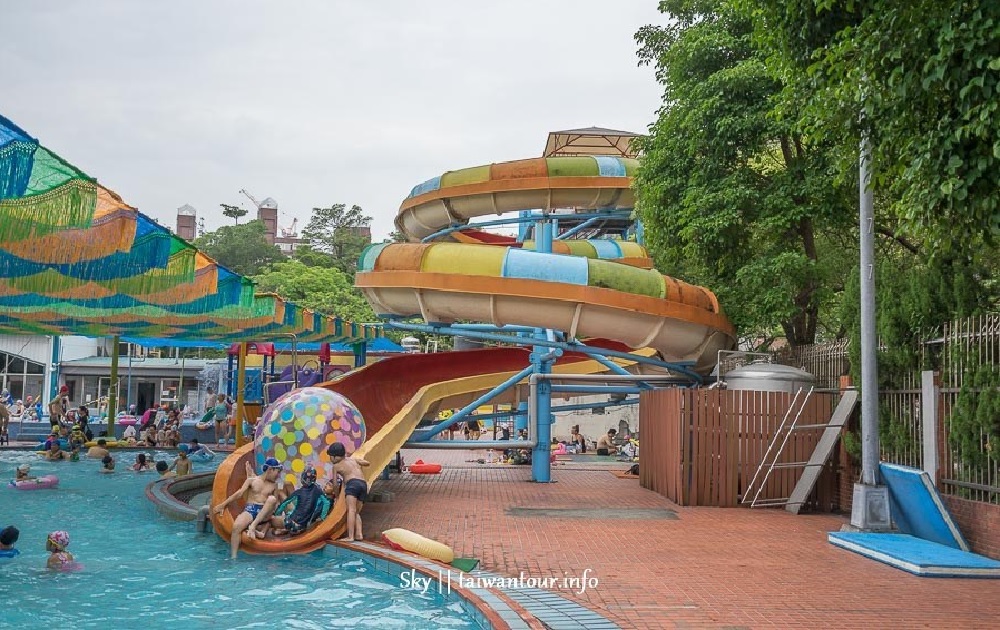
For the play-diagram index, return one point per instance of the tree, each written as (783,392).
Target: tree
(327,290)
(730,194)
(921,79)
(241,248)
(340,232)
(233,212)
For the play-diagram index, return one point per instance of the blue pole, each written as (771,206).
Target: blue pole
(579,228)
(553,409)
(360,354)
(523,225)
(54,376)
(521,419)
(541,467)
(427,434)
(614,367)
(588,350)
(595,389)
(231,380)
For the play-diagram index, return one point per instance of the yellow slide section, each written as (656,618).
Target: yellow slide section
(382,446)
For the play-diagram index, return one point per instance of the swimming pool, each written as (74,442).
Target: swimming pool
(142,570)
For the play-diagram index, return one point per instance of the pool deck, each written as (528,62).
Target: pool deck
(659,565)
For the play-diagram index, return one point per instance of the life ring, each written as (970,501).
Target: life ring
(63,444)
(420,468)
(108,443)
(48,481)
(411,541)
(203,426)
(202,456)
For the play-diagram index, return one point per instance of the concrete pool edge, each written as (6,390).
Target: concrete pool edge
(161,493)
(498,609)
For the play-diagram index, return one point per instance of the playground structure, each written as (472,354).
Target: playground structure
(575,316)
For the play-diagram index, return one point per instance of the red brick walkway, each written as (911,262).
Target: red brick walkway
(708,568)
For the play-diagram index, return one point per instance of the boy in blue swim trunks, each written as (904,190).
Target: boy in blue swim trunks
(307,505)
(259,490)
(355,487)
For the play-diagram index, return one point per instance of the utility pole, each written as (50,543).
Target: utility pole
(870,507)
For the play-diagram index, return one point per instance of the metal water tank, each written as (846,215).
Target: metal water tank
(769,377)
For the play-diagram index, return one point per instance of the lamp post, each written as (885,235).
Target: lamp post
(870,507)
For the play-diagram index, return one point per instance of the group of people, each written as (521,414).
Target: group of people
(17,410)
(55,543)
(269,511)
(605,444)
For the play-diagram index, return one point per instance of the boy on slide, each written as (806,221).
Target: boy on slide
(308,504)
(355,487)
(261,489)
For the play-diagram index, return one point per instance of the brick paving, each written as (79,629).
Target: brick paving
(709,567)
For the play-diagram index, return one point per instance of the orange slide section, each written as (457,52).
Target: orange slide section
(393,396)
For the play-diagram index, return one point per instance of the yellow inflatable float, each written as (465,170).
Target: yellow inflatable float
(406,540)
(110,443)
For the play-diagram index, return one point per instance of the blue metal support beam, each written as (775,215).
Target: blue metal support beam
(590,389)
(427,434)
(578,228)
(444,329)
(525,219)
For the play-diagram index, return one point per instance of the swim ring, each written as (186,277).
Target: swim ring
(109,443)
(48,481)
(420,468)
(414,542)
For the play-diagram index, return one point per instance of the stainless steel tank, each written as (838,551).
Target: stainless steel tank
(769,377)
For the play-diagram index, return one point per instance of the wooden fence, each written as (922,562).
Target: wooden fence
(703,447)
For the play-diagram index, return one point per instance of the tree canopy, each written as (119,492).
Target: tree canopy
(233,212)
(241,248)
(921,79)
(325,289)
(340,232)
(731,195)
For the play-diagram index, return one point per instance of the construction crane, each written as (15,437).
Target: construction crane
(256,204)
(288,232)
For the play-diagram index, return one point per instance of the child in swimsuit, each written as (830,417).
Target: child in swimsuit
(59,558)
(9,536)
(23,473)
(355,487)
(107,464)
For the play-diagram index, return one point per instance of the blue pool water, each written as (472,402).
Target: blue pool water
(141,570)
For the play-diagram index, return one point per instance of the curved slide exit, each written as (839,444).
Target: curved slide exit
(598,289)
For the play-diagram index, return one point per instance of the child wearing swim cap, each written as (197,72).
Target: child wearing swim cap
(59,558)
(23,473)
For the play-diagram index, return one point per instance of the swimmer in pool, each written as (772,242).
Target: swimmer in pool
(107,465)
(24,473)
(257,489)
(59,558)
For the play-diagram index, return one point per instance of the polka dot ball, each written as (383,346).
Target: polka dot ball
(297,428)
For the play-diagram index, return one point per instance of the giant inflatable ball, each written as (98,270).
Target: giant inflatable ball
(298,427)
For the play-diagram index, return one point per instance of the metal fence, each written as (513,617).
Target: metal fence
(966,356)
(970,408)
(825,361)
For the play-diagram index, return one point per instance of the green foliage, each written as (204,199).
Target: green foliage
(241,248)
(341,232)
(233,212)
(731,196)
(916,296)
(921,79)
(325,289)
(974,430)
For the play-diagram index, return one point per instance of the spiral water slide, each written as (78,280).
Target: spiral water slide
(600,289)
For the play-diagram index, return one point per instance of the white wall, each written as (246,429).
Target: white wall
(592,425)
(71,348)
(36,348)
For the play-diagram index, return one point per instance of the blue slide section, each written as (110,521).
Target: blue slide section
(916,556)
(916,506)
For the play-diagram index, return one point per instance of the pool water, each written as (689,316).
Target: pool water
(142,570)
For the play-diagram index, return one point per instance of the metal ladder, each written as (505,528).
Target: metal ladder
(812,468)
(771,456)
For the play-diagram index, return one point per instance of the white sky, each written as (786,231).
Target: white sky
(313,102)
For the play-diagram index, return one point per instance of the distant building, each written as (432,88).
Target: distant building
(287,239)
(187,222)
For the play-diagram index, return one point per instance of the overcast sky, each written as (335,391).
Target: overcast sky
(313,102)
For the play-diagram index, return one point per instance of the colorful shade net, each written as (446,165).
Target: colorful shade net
(76,259)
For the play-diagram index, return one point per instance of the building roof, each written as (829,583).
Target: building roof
(187,210)
(269,203)
(591,141)
(149,362)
